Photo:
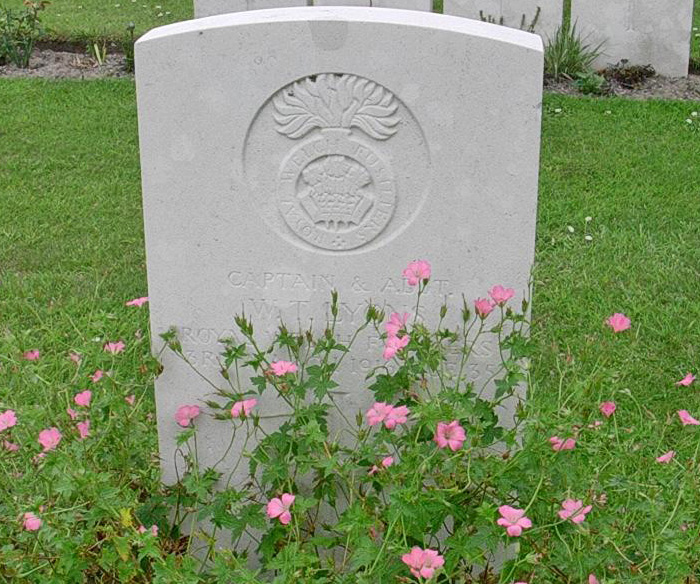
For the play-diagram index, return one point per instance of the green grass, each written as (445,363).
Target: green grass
(72,254)
(644,261)
(80,20)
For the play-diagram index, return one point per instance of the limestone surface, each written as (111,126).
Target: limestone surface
(643,32)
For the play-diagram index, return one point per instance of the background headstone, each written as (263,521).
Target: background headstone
(204,8)
(644,32)
(424,5)
(242,120)
(342,3)
(512,12)
(212,7)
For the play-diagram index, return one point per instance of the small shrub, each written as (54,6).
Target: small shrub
(630,76)
(694,66)
(128,47)
(19,31)
(97,49)
(568,55)
(592,84)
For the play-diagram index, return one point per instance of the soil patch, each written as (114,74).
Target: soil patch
(656,87)
(66,62)
(51,64)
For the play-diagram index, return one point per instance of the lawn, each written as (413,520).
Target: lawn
(73,253)
(81,20)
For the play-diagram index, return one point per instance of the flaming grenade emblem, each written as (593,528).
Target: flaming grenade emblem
(336,190)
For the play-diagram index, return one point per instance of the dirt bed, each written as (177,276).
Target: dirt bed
(50,64)
(61,64)
(656,87)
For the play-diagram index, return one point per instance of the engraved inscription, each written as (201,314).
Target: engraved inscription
(335,191)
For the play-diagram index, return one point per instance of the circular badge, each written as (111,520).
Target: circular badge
(337,141)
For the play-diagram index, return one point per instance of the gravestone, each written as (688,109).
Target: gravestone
(243,118)
(204,8)
(212,7)
(513,13)
(643,32)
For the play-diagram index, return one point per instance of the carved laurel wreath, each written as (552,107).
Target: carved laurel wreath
(330,100)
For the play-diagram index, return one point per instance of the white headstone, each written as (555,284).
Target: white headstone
(645,32)
(213,7)
(365,3)
(241,115)
(513,13)
(424,5)
(204,8)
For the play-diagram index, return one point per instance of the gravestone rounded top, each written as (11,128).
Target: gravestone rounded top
(348,14)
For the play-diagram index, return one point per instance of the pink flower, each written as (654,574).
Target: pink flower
(280,508)
(83,398)
(397,415)
(618,322)
(390,415)
(592,579)
(394,345)
(153,530)
(83,429)
(72,413)
(280,368)
(423,563)
(386,463)
(513,520)
(31,522)
(137,301)
(501,295)
(687,419)
(562,444)
(7,419)
(185,414)
(75,357)
(450,435)
(114,348)
(607,408)
(666,458)
(10,446)
(49,438)
(483,307)
(396,323)
(378,413)
(687,380)
(31,355)
(574,510)
(97,375)
(243,407)
(130,399)
(416,271)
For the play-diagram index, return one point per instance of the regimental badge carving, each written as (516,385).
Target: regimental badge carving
(336,189)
